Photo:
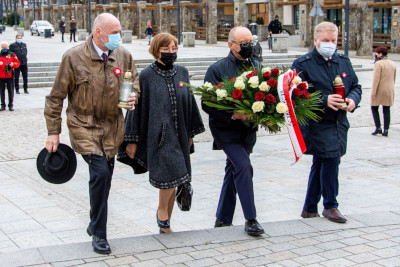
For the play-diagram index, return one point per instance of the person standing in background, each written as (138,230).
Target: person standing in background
(149,32)
(257,50)
(382,92)
(62,28)
(20,50)
(8,62)
(72,28)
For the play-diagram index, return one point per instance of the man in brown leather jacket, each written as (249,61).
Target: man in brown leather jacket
(90,75)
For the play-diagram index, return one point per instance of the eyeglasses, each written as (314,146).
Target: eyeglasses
(245,44)
(167,49)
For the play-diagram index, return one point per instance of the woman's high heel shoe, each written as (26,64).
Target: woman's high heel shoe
(377,131)
(162,224)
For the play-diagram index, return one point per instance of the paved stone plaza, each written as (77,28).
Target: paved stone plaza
(44,224)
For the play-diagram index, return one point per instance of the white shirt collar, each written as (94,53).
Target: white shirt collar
(99,51)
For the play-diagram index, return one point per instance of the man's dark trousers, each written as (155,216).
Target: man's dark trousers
(10,89)
(238,179)
(100,171)
(323,181)
(24,70)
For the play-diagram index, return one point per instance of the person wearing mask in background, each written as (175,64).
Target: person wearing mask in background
(257,50)
(19,49)
(275,26)
(234,137)
(62,28)
(326,139)
(159,133)
(8,63)
(90,75)
(72,29)
(149,32)
(382,92)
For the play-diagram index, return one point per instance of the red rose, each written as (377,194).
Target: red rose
(297,92)
(219,85)
(275,72)
(270,99)
(237,94)
(267,75)
(259,96)
(232,79)
(272,83)
(302,86)
(251,74)
(305,94)
(255,72)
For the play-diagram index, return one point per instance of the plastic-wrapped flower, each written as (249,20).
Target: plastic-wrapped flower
(281,108)
(254,82)
(264,87)
(239,84)
(221,93)
(208,85)
(258,106)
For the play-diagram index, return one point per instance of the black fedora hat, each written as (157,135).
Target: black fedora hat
(57,167)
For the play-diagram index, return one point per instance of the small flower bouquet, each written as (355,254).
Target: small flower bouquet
(258,93)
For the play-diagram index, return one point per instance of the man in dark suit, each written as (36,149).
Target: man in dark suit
(326,139)
(275,26)
(234,137)
(19,49)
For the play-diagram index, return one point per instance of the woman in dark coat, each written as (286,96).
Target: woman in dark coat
(62,28)
(159,133)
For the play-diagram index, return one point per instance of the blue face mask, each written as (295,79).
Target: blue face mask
(19,41)
(4,50)
(114,40)
(326,49)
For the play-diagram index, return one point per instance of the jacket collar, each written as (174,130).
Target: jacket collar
(239,62)
(321,60)
(93,53)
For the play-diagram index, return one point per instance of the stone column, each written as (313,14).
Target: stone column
(307,25)
(186,16)
(365,34)
(164,24)
(212,22)
(28,18)
(45,12)
(395,47)
(123,16)
(55,19)
(141,19)
(79,16)
(240,13)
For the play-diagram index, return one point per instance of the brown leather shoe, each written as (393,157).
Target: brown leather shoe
(334,215)
(306,214)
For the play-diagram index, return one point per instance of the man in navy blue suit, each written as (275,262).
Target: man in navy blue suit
(234,137)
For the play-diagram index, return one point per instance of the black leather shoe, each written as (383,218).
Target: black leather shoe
(26,92)
(2,109)
(100,245)
(17,92)
(219,223)
(162,224)
(252,227)
(385,132)
(89,230)
(377,131)
(11,109)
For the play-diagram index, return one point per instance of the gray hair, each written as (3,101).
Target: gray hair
(102,20)
(4,43)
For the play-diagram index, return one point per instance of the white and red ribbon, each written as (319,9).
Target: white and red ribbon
(284,92)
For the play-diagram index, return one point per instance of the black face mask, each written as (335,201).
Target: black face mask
(4,51)
(168,58)
(246,51)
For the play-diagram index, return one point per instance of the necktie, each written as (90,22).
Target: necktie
(104,57)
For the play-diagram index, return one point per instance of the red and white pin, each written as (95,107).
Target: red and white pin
(344,75)
(181,84)
(117,71)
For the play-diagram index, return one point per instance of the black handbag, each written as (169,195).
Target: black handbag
(184,195)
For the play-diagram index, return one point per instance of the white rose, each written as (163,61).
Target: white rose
(264,87)
(208,85)
(258,106)
(281,108)
(244,74)
(239,84)
(221,93)
(267,69)
(297,80)
(253,81)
